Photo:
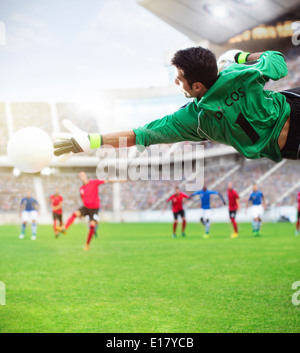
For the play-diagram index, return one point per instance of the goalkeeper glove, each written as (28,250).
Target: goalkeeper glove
(77,141)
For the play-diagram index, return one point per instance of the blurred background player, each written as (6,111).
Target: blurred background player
(258,206)
(29,211)
(205,210)
(233,205)
(178,210)
(91,204)
(56,201)
(298,215)
(89,193)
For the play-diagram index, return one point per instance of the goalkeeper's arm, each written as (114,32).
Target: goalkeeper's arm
(177,127)
(243,57)
(254,56)
(114,139)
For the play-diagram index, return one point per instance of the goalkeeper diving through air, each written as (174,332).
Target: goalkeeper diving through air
(231,107)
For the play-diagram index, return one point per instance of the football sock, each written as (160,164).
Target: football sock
(183,225)
(174,227)
(233,221)
(255,226)
(90,235)
(207,226)
(70,220)
(258,225)
(33,228)
(23,228)
(298,223)
(54,225)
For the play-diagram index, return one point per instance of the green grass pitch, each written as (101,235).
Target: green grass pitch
(136,278)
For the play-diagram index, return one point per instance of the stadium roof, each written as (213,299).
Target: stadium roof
(215,20)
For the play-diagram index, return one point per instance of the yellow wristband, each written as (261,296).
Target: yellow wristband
(243,57)
(95,141)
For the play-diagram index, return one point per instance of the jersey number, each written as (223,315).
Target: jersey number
(247,128)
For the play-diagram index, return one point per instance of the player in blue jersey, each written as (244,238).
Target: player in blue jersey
(205,207)
(258,205)
(29,208)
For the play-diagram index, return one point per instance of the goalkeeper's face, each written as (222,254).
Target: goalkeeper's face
(187,90)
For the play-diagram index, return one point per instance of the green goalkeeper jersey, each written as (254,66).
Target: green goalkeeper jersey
(235,111)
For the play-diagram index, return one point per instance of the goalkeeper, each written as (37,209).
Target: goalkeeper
(231,107)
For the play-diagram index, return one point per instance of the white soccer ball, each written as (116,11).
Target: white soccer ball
(30,149)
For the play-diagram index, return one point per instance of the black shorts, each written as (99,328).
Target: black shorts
(57,217)
(176,214)
(93,213)
(232,214)
(291,149)
(298,214)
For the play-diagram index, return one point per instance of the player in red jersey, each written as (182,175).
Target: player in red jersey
(234,205)
(298,215)
(178,210)
(56,201)
(91,204)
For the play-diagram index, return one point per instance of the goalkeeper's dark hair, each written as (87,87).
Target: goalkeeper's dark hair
(198,65)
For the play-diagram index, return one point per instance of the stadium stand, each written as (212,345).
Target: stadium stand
(83,118)
(3,130)
(146,193)
(142,195)
(12,190)
(278,183)
(32,114)
(293,78)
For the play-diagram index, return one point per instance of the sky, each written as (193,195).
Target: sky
(71,49)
